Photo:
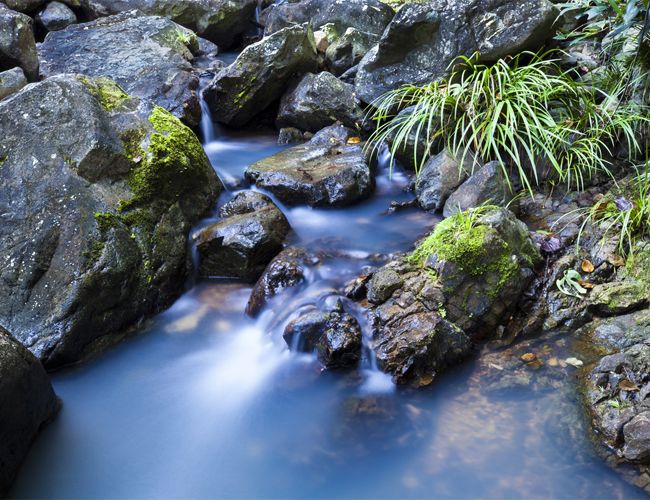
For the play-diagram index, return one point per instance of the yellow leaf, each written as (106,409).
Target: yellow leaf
(587,266)
(354,140)
(585,284)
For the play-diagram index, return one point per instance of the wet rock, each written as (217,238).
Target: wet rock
(11,81)
(637,438)
(438,179)
(618,332)
(487,185)
(100,191)
(306,330)
(423,39)
(348,50)
(318,176)
(317,101)
(56,16)
(220,21)
(289,135)
(250,234)
(340,346)
(382,285)
(147,56)
(334,134)
(17,44)
(370,16)
(23,6)
(618,298)
(28,404)
(414,149)
(260,75)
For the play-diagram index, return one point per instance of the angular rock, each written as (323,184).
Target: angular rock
(56,16)
(220,21)
(318,176)
(23,6)
(289,135)
(260,74)
(438,179)
(371,16)
(11,81)
(317,101)
(17,44)
(28,404)
(334,134)
(100,191)
(382,285)
(348,50)
(618,298)
(618,332)
(250,234)
(423,39)
(488,185)
(147,56)
(340,346)
(637,438)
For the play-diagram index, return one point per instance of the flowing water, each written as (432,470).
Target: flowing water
(209,403)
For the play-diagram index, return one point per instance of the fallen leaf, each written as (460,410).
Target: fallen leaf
(585,284)
(561,363)
(500,368)
(573,362)
(528,357)
(616,260)
(626,385)
(622,204)
(587,266)
(600,208)
(552,362)
(354,140)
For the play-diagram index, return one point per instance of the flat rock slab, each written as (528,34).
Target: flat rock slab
(148,56)
(319,176)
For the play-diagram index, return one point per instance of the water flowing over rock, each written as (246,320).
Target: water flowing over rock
(424,38)
(438,179)
(148,56)
(28,403)
(250,234)
(371,16)
(56,16)
(260,75)
(319,176)
(11,81)
(99,194)
(424,318)
(17,44)
(317,101)
(220,21)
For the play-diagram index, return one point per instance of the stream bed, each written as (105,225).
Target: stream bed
(208,403)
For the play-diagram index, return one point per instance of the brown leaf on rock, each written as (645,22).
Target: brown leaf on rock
(616,260)
(587,266)
(600,208)
(354,140)
(626,385)
(585,284)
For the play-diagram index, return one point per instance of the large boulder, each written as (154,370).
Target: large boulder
(348,50)
(220,21)
(460,285)
(317,101)
(423,39)
(148,56)
(99,192)
(319,176)
(438,179)
(370,16)
(28,403)
(250,233)
(17,43)
(260,75)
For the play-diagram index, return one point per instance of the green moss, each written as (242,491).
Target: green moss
(107,221)
(106,91)
(3,159)
(95,252)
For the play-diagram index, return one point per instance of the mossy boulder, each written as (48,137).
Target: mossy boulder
(100,191)
(148,56)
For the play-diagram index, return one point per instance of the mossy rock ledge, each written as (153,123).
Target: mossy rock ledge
(426,308)
(99,193)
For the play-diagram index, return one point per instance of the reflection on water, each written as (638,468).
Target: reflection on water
(211,404)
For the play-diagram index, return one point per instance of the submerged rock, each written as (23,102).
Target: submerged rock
(423,39)
(148,56)
(28,404)
(318,176)
(260,75)
(250,234)
(100,191)
(17,43)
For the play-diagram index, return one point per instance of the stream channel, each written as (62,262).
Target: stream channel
(208,403)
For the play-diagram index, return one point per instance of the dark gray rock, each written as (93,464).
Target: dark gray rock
(56,16)
(317,101)
(318,176)
(289,135)
(17,44)
(438,179)
(424,38)
(260,75)
(488,185)
(334,134)
(23,6)
(637,438)
(370,16)
(148,56)
(348,50)
(11,81)
(220,21)
(250,234)
(340,345)
(28,404)
(99,192)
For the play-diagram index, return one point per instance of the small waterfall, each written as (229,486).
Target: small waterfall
(207,127)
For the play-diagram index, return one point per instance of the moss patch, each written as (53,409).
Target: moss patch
(106,91)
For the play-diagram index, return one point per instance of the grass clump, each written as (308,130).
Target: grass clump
(523,112)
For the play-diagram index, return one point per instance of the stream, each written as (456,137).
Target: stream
(209,403)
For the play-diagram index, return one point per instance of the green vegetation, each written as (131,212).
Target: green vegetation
(523,112)
(105,90)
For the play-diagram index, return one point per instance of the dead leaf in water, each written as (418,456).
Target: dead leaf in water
(616,260)
(587,266)
(552,362)
(528,357)
(626,385)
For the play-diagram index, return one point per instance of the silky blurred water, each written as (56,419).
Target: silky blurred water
(209,403)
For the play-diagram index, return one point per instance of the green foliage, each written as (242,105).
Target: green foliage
(569,284)
(523,112)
